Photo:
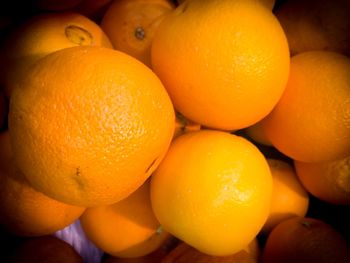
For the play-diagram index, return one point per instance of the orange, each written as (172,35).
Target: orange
(43,34)
(217,66)
(184,253)
(131,24)
(213,191)
(289,197)
(46,249)
(56,5)
(127,228)
(153,257)
(305,240)
(311,122)
(316,25)
(25,211)
(183,125)
(89,125)
(257,134)
(329,181)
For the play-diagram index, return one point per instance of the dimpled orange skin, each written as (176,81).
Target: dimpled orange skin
(328,181)
(213,191)
(40,35)
(25,211)
(218,63)
(311,122)
(89,125)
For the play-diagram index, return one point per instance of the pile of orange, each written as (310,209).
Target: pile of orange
(175,131)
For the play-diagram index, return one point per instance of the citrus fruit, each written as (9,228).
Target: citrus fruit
(311,122)
(153,257)
(257,134)
(131,24)
(289,197)
(308,240)
(25,211)
(329,181)
(316,25)
(217,66)
(89,125)
(213,191)
(184,253)
(46,249)
(40,35)
(127,228)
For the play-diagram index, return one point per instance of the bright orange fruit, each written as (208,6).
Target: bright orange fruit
(219,70)
(213,191)
(89,125)
(311,122)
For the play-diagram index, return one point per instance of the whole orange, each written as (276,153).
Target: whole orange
(311,122)
(328,181)
(40,35)
(89,125)
(213,191)
(305,240)
(127,228)
(217,62)
(131,25)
